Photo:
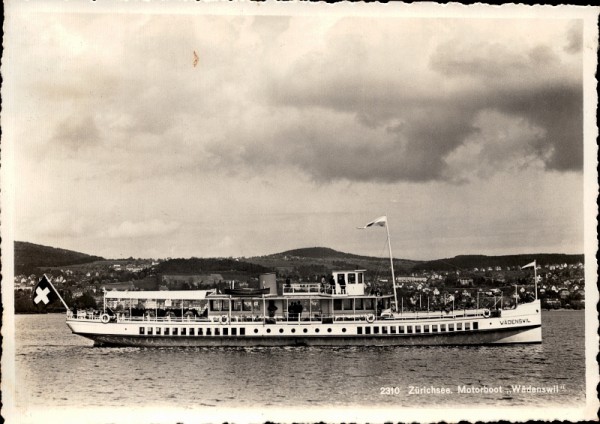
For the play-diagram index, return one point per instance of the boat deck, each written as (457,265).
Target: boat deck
(290,318)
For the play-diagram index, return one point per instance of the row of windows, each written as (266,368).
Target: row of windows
(351,278)
(257,306)
(375,329)
(364,304)
(217,331)
(418,329)
(359,304)
(174,331)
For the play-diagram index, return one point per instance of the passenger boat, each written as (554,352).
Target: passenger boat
(338,312)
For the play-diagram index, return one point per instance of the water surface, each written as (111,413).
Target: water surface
(49,356)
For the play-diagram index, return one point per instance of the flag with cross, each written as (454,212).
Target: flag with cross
(44,293)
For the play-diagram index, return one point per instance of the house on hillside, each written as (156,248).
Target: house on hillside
(411,279)
(20,286)
(465,281)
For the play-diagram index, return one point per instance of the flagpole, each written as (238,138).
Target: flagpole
(57,293)
(391,263)
(535,277)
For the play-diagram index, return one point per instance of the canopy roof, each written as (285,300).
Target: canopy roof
(159,294)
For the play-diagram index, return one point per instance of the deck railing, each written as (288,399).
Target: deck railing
(303,288)
(291,318)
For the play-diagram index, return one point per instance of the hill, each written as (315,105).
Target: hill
(320,252)
(30,256)
(322,260)
(304,261)
(471,261)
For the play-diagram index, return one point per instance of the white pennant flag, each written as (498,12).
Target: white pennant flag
(532,264)
(381,222)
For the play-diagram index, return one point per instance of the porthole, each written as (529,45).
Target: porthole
(316,330)
(255,330)
(281,330)
(268,330)
(329,330)
(305,330)
(343,330)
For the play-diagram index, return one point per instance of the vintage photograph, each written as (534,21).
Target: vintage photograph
(251,212)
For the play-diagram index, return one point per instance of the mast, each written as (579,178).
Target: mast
(391,264)
(380,222)
(535,277)
(57,293)
(534,265)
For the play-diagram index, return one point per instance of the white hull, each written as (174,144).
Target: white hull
(520,325)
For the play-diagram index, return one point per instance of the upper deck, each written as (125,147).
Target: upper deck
(341,283)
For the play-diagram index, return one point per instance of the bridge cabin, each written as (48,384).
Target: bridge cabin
(350,283)
(346,283)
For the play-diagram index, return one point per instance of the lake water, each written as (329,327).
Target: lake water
(48,357)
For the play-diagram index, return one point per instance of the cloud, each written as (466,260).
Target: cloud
(61,225)
(141,229)
(361,100)
(76,132)
(431,108)
(535,85)
(558,110)
(325,119)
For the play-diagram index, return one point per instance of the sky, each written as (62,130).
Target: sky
(291,131)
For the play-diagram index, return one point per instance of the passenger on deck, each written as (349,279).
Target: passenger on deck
(331,284)
(299,309)
(343,285)
(271,308)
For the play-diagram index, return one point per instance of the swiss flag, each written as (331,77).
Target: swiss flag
(44,292)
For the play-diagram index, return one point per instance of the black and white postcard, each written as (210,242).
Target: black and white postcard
(298,212)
